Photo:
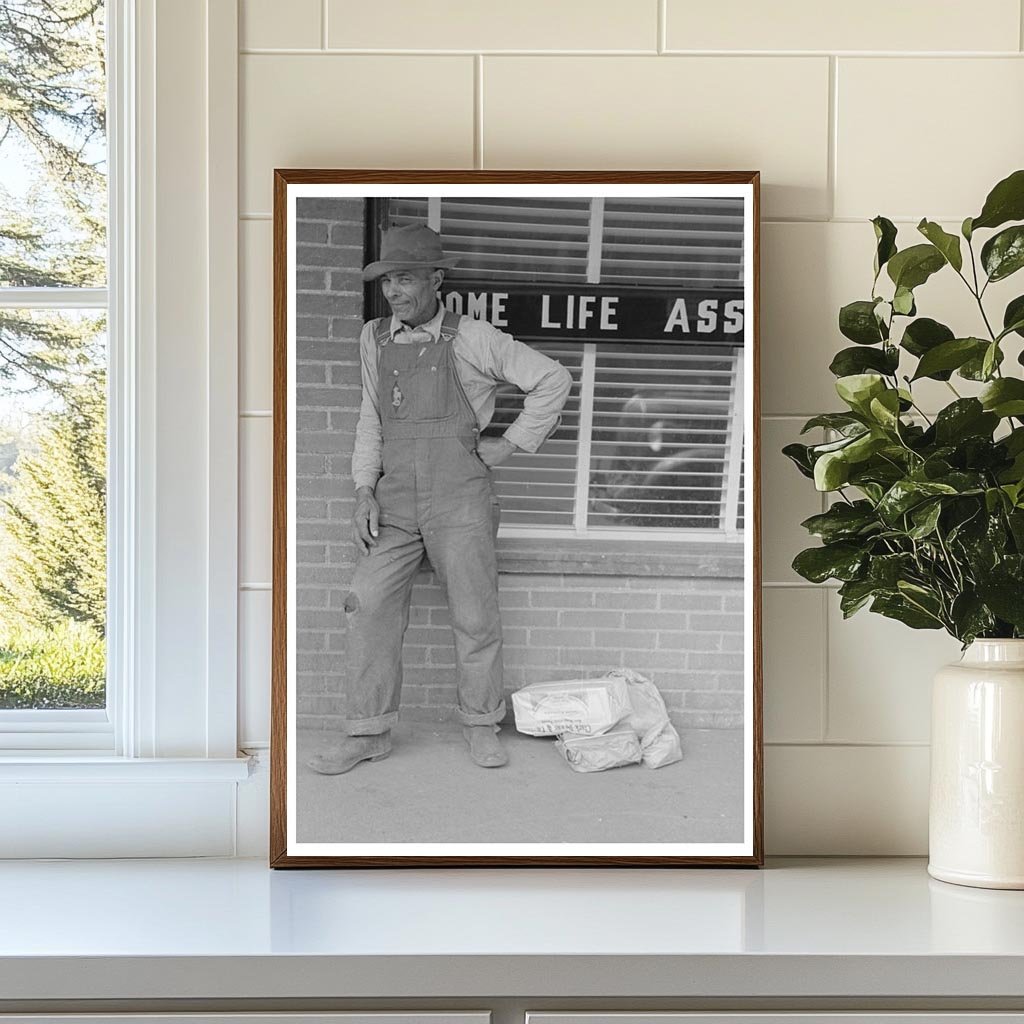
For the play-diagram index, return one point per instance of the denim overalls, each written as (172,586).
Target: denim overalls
(435,498)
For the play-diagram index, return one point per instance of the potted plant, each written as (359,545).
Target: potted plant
(927,521)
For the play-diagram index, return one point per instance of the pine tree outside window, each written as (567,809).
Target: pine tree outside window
(53,368)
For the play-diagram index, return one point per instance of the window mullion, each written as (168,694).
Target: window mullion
(734,447)
(53,298)
(434,213)
(581,500)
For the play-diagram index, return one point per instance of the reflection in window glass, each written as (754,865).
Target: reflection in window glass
(660,435)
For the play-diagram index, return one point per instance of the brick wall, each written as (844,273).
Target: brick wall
(684,634)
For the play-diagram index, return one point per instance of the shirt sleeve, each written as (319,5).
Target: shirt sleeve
(544,381)
(366,455)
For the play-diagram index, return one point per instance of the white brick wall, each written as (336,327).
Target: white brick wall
(800,90)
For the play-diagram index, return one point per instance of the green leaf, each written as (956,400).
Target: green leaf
(925,518)
(1003,254)
(799,455)
(854,595)
(899,608)
(850,361)
(970,617)
(831,471)
(843,521)
(858,389)
(913,266)
(885,236)
(1004,397)
(840,561)
(887,570)
(923,335)
(974,368)
(1005,596)
(903,302)
(1013,317)
(841,421)
(885,409)
(1005,202)
(965,229)
(947,244)
(966,417)
(990,360)
(857,321)
(906,494)
(950,355)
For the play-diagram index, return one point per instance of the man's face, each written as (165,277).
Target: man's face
(411,292)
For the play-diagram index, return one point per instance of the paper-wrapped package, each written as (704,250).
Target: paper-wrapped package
(613,749)
(659,741)
(581,707)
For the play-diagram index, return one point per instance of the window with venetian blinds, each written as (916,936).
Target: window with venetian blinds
(651,438)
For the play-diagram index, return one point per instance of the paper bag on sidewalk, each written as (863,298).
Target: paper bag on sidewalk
(597,753)
(659,741)
(584,707)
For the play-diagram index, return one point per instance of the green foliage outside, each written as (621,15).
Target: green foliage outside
(60,667)
(52,365)
(928,522)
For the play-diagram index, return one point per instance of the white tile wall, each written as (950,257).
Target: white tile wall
(873,25)
(694,113)
(472,25)
(907,110)
(944,105)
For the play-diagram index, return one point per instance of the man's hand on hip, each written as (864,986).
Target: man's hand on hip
(494,450)
(366,519)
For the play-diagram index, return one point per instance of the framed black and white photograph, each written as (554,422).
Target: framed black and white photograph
(516,614)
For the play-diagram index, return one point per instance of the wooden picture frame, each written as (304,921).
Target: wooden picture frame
(689,591)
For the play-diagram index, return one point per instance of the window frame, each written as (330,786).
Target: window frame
(172,516)
(89,729)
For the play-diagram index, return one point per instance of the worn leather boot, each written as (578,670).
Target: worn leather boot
(484,746)
(349,752)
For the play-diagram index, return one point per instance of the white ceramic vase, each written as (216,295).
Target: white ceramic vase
(976,812)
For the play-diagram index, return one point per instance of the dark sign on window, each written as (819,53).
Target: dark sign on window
(601,314)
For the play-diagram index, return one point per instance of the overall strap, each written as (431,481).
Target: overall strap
(449,325)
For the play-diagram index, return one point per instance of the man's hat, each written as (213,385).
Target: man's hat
(414,245)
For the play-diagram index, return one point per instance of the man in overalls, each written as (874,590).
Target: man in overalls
(423,487)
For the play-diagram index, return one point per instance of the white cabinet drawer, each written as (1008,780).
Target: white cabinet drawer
(776,1018)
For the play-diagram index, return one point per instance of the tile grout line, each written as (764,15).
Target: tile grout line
(323,24)
(478,111)
(831,171)
(825,724)
(851,744)
(1020,24)
(341,51)
(662,42)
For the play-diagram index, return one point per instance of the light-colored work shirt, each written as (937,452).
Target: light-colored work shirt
(484,358)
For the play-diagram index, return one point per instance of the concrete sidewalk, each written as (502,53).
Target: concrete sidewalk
(429,791)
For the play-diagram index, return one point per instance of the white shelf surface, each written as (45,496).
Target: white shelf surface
(825,928)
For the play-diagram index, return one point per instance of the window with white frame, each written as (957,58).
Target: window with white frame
(53,371)
(642,300)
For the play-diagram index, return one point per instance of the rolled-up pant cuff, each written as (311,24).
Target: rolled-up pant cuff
(369,726)
(484,718)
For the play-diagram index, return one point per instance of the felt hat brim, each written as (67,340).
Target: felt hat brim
(374,270)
